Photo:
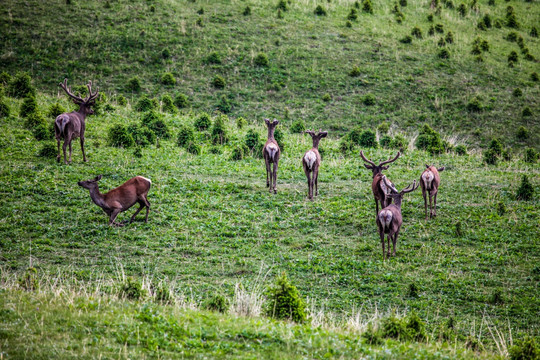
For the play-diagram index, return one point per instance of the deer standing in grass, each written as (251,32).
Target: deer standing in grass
(430,181)
(271,152)
(311,162)
(135,190)
(72,125)
(378,187)
(389,219)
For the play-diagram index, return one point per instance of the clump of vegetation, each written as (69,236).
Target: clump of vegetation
(219,132)
(237,153)
(535,77)
(526,112)
(47,151)
(517,92)
(203,122)
(36,123)
(399,142)
(119,136)
(5,79)
(252,140)
(368,139)
(145,104)
(55,110)
(213,58)
(531,155)
(181,101)
(21,86)
(407,39)
(372,336)
(134,84)
(154,122)
(186,135)
(353,15)
(443,54)
(533,33)
(474,105)
(413,290)
(512,58)
(28,106)
(121,100)
(132,289)
(524,349)
(416,32)
(460,149)
(429,140)
(224,104)
(355,71)
(369,99)
(219,82)
(449,38)
(298,126)
(241,122)
(367,7)
(284,301)
(168,105)
(522,133)
(320,11)
(29,281)
(462,10)
(142,135)
(501,208)
(193,148)
(162,294)
(168,79)
(282,5)
(383,128)
(165,53)
(326,97)
(247,11)
(217,303)
(4,108)
(525,190)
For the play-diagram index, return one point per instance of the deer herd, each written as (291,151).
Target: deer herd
(69,126)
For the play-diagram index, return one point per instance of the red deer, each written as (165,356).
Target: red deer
(430,181)
(312,161)
(135,190)
(271,152)
(389,220)
(377,186)
(71,125)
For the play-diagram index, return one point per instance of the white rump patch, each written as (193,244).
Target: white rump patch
(272,150)
(427,178)
(150,181)
(310,159)
(385,217)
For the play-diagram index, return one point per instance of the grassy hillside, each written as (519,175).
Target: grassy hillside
(310,59)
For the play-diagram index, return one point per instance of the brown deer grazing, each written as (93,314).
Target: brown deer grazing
(271,152)
(312,161)
(71,125)
(378,187)
(122,198)
(430,181)
(389,220)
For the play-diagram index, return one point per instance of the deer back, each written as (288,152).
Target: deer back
(128,193)
(311,158)
(397,219)
(72,122)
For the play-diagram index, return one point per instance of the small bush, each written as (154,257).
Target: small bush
(367,7)
(526,112)
(219,133)
(416,32)
(199,22)
(501,208)
(134,84)
(21,86)
(385,141)
(200,11)
(237,153)
(484,45)
(219,82)
(443,54)
(154,122)
(399,142)
(224,105)
(119,136)
(369,100)
(241,122)
(439,28)
(429,140)
(298,127)
(346,145)
(474,105)
(121,100)
(162,294)
(284,301)
(186,135)
(319,11)
(535,77)
(460,150)
(348,24)
(372,336)
(449,37)
(278,135)
(193,148)
(407,39)
(522,133)
(168,105)
(29,281)
(168,79)
(142,135)
(415,327)
(355,71)
(145,104)
(394,328)
(497,146)
(28,106)
(55,110)
(203,122)
(413,290)
(430,18)
(5,79)
(511,21)
(462,10)
(431,30)
(165,53)
(4,108)
(282,5)
(368,139)
(47,151)
(531,156)
(247,11)
(132,289)
(525,349)
(486,20)
(534,32)
(252,139)
(353,15)
(490,157)
(383,128)
(525,190)
(213,58)
(217,303)
(181,101)
(441,42)
(326,98)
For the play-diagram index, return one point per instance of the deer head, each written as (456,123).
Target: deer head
(398,195)
(86,103)
(377,169)
(90,184)
(316,137)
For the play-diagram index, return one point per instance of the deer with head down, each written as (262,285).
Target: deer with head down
(430,181)
(389,219)
(133,191)
(69,126)
(271,152)
(311,161)
(378,187)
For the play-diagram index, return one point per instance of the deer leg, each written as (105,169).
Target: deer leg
(425,203)
(316,181)
(274,176)
(268,173)
(435,205)
(82,148)
(382,243)
(64,147)
(376,208)
(147,203)
(113,216)
(388,252)
(306,171)
(142,205)
(394,242)
(70,152)
(430,206)
(58,157)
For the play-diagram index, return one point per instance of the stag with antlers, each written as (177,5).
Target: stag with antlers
(389,220)
(311,162)
(378,187)
(430,181)
(71,125)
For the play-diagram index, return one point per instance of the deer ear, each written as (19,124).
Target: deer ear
(427,166)
(323,134)
(267,121)
(369,167)
(276,122)
(98,178)
(440,169)
(385,167)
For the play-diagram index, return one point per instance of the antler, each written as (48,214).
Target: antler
(78,100)
(390,160)
(91,97)
(389,184)
(366,160)
(309,132)
(414,187)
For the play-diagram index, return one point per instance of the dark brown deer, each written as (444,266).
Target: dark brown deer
(271,152)
(430,181)
(389,220)
(377,186)
(135,190)
(311,162)
(71,125)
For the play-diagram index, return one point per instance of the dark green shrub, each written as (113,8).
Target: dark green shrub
(40,128)
(355,71)
(481,25)
(479,59)
(181,101)
(144,104)
(490,157)
(319,11)
(415,327)
(200,11)
(162,294)
(346,145)
(385,141)
(213,58)
(369,99)
(186,135)
(134,84)
(5,79)
(368,139)
(383,128)
(132,289)
(4,108)
(399,17)
(142,135)
(501,208)
(430,18)
(279,14)
(462,10)
(372,336)
(154,122)
(219,133)
(486,20)
(526,112)
(119,136)
(219,82)
(237,153)
(399,142)
(535,77)
(326,98)
(193,148)
(534,32)
(491,2)
(47,151)
(429,140)
(165,53)
(484,45)
(278,135)
(474,105)
(521,42)
(460,150)
(215,150)
(217,303)
(439,28)
(355,134)
(353,15)
(431,30)
(203,122)
(121,100)
(247,11)
(416,32)
(298,126)
(168,79)
(241,122)
(394,328)
(21,86)
(29,281)
(525,190)
(442,43)
(531,156)
(524,349)
(522,133)
(449,37)
(168,105)
(137,152)
(28,106)
(497,146)
(413,290)
(284,301)
(443,54)
(407,39)
(403,3)
(252,139)
(367,7)
(348,24)
(507,154)
(199,22)
(511,21)
(224,105)
(282,5)
(55,110)
(357,4)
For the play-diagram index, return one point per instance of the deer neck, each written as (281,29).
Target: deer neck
(316,144)
(97,197)
(397,202)
(81,112)
(271,133)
